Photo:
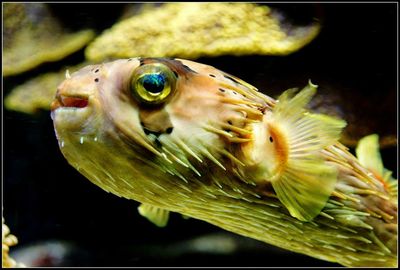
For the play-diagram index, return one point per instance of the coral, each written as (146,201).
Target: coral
(8,241)
(33,36)
(191,30)
(37,93)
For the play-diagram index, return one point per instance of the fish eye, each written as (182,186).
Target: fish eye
(152,83)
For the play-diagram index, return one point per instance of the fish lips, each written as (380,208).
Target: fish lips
(70,112)
(69,102)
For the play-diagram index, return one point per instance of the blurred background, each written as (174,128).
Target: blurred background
(62,219)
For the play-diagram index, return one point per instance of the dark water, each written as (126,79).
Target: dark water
(44,198)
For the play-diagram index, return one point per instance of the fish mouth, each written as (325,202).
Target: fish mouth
(76,102)
(71,112)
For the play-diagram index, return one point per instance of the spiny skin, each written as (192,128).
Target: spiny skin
(195,170)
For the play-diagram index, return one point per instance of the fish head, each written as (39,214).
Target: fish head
(150,112)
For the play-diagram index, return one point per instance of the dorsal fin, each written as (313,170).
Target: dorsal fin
(302,180)
(367,152)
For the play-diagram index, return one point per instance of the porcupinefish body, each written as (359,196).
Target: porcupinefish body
(185,137)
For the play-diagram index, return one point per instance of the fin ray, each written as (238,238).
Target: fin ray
(305,182)
(305,187)
(154,214)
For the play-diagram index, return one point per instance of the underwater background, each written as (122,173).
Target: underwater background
(62,219)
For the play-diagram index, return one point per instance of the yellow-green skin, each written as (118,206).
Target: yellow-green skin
(188,171)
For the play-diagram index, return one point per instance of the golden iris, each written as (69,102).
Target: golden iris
(152,83)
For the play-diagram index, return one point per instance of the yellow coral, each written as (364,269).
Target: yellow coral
(33,36)
(37,93)
(8,240)
(191,30)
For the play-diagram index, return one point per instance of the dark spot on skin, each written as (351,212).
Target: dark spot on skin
(130,59)
(96,80)
(97,70)
(211,75)
(141,61)
(169,130)
(234,93)
(229,122)
(222,90)
(270,139)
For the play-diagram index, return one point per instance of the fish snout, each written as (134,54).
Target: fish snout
(68,99)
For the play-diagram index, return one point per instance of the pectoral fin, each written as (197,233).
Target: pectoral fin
(302,180)
(305,187)
(156,215)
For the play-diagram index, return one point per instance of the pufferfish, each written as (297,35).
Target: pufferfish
(181,136)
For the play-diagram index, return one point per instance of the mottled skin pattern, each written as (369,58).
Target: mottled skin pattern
(182,156)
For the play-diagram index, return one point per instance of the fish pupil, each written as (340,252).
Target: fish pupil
(154,83)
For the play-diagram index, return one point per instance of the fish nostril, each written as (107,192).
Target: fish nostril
(169,130)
